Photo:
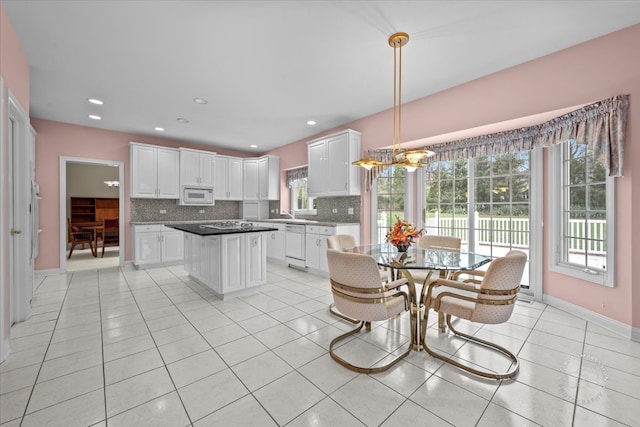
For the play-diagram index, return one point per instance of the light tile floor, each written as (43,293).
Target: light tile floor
(121,347)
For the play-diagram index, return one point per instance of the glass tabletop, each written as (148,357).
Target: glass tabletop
(387,255)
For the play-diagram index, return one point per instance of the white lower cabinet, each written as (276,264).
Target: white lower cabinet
(227,264)
(316,244)
(155,245)
(275,241)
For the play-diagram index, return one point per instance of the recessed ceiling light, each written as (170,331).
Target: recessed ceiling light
(200,101)
(95,101)
(94,117)
(159,129)
(181,120)
(254,146)
(311,122)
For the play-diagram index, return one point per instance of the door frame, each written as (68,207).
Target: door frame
(63,203)
(4,343)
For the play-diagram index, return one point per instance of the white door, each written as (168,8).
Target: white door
(207,169)
(256,247)
(234,178)
(144,179)
(233,263)
(172,245)
(168,173)
(20,267)
(317,168)
(337,165)
(251,178)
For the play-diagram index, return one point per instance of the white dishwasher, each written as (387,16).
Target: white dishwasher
(295,242)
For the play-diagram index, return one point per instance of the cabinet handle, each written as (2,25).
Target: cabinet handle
(345,185)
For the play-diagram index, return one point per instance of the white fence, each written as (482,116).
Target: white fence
(513,232)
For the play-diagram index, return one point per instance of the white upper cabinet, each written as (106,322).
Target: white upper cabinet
(228,178)
(329,162)
(155,172)
(262,178)
(197,168)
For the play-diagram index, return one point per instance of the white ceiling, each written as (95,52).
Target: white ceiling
(266,67)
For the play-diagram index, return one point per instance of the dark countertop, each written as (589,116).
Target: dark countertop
(206,231)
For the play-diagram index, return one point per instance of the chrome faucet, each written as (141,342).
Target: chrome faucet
(290,213)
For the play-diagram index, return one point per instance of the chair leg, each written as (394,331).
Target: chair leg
(333,310)
(495,347)
(361,369)
(70,251)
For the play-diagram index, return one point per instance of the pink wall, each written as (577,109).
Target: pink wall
(14,70)
(589,72)
(55,139)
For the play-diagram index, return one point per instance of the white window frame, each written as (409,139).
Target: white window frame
(310,199)
(556,231)
(409,205)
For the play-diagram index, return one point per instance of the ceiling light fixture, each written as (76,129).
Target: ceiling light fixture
(200,101)
(408,159)
(159,129)
(311,122)
(254,146)
(94,117)
(181,120)
(95,101)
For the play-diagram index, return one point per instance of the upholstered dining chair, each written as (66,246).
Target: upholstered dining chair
(341,242)
(111,233)
(489,302)
(76,236)
(359,293)
(433,241)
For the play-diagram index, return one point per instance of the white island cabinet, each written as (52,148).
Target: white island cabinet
(227,264)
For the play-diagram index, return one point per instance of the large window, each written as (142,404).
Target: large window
(300,200)
(583,203)
(390,191)
(485,201)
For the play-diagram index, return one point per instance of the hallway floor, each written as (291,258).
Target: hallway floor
(122,347)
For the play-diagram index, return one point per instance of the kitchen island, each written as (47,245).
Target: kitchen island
(229,258)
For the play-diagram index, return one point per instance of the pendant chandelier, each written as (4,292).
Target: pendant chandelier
(408,159)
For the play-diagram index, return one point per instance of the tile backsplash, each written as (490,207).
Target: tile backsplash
(149,210)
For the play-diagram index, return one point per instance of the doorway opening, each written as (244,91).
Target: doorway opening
(91,190)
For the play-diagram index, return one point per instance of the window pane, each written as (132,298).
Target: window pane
(520,188)
(577,198)
(446,192)
(598,197)
(483,190)
(520,163)
(577,171)
(500,189)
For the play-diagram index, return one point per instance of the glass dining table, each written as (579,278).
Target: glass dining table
(415,258)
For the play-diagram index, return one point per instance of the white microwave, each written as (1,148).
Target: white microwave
(197,196)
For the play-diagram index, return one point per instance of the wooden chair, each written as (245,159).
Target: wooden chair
(78,237)
(111,233)
(359,293)
(489,302)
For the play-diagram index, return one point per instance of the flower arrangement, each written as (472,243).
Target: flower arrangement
(402,233)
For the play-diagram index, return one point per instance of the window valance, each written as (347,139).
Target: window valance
(299,173)
(600,125)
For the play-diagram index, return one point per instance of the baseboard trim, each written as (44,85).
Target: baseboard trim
(6,349)
(47,271)
(624,330)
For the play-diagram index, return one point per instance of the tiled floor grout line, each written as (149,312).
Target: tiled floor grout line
(180,302)
(44,358)
(164,364)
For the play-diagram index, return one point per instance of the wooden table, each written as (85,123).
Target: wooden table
(98,232)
